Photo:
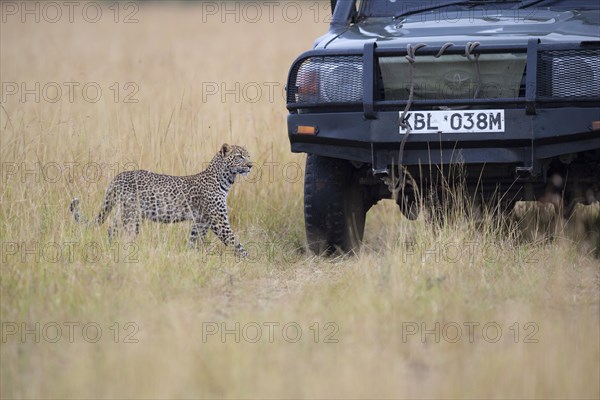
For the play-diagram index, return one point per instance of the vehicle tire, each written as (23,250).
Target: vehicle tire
(334,206)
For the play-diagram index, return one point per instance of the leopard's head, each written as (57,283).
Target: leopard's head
(236,158)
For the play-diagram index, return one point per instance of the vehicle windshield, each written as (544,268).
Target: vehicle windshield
(392,8)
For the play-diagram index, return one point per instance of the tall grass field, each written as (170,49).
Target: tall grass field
(507,309)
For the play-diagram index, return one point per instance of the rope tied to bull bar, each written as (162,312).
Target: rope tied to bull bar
(412,58)
(443,49)
(469,48)
(394,184)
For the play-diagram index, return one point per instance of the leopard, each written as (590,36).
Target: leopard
(200,198)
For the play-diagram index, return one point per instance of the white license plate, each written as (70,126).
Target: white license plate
(454,121)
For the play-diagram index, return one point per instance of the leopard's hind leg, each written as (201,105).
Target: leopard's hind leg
(131,217)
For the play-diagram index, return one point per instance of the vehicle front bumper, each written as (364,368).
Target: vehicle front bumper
(527,139)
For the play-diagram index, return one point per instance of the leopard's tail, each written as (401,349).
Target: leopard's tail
(107,206)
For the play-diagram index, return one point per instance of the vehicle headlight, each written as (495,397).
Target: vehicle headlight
(327,80)
(572,73)
(576,76)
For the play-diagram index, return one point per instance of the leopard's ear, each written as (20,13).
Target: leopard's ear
(225,149)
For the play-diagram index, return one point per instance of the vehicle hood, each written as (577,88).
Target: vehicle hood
(505,28)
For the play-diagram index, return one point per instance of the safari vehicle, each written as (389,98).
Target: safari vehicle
(397,93)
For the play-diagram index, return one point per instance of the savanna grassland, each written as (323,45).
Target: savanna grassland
(511,309)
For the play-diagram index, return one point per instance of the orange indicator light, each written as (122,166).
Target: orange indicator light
(307,130)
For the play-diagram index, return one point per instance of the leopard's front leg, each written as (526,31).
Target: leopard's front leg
(221,227)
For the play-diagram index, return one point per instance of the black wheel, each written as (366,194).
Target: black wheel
(334,206)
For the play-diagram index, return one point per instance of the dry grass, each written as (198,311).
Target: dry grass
(406,275)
